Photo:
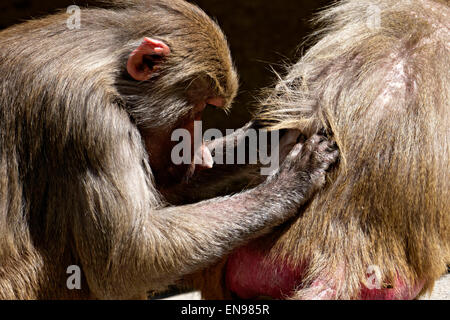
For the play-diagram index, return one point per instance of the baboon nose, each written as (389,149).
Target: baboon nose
(217,102)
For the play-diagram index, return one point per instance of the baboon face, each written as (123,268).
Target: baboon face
(159,145)
(167,85)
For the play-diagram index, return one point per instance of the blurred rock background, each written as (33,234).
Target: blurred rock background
(263,34)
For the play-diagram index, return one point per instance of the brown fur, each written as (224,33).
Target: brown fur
(76,180)
(384,96)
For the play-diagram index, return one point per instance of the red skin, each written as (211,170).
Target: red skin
(249,275)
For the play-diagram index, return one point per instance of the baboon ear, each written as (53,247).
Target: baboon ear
(146,58)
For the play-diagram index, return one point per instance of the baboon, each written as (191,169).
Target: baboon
(378,82)
(86,116)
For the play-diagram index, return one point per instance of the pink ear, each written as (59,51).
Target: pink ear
(147,50)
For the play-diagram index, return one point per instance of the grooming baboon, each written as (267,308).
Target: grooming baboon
(378,81)
(86,117)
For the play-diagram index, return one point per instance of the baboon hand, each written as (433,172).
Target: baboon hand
(309,161)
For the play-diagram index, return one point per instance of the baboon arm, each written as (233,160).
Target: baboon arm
(226,179)
(222,179)
(159,246)
(201,233)
(119,222)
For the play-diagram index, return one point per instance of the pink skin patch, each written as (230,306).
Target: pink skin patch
(216,101)
(250,275)
(399,291)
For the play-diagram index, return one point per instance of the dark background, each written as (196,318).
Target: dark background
(262,34)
